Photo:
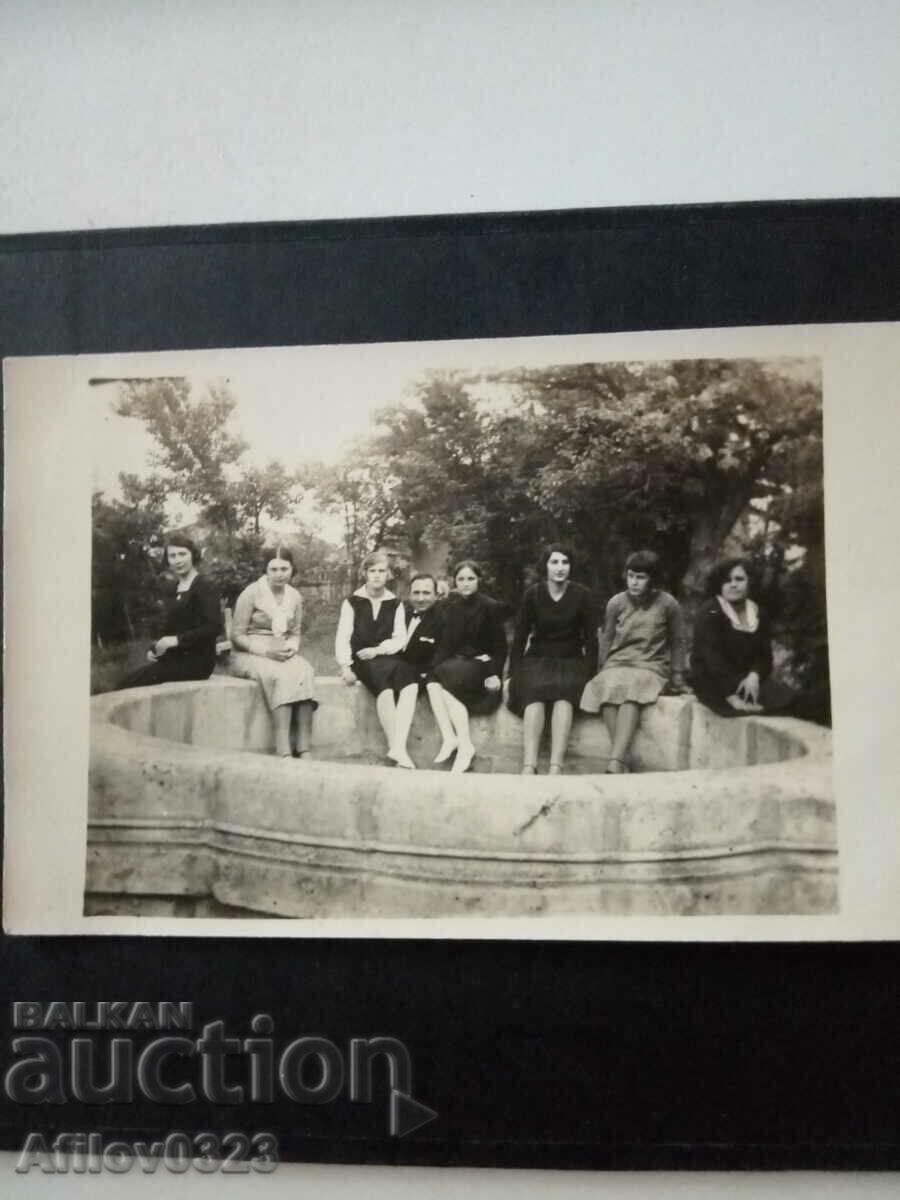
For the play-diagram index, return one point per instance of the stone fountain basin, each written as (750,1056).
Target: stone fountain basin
(187,800)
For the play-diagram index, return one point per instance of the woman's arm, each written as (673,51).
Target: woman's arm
(763,661)
(342,650)
(589,634)
(606,635)
(395,643)
(710,663)
(675,628)
(448,637)
(240,620)
(292,633)
(523,627)
(205,604)
(496,633)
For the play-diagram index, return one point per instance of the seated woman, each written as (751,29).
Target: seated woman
(641,651)
(731,660)
(371,634)
(186,646)
(554,653)
(469,658)
(265,636)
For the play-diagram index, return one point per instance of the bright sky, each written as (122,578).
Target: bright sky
(286,415)
(292,404)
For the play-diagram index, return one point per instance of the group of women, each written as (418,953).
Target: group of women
(464,673)
(559,661)
(265,639)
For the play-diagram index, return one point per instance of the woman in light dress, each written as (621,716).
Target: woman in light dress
(641,652)
(265,636)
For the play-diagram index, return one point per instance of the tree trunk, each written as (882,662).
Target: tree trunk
(131,632)
(708,538)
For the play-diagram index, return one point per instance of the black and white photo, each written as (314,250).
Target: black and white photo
(528,634)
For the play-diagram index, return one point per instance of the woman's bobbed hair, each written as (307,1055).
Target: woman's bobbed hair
(472,566)
(715,580)
(555,548)
(183,542)
(648,563)
(374,559)
(282,552)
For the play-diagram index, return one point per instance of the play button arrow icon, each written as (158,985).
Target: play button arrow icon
(408,1114)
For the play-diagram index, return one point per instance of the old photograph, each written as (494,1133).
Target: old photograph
(378,635)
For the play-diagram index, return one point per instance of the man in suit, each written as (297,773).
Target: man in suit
(423,625)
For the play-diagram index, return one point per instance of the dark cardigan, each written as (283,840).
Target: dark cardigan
(195,618)
(472,625)
(722,656)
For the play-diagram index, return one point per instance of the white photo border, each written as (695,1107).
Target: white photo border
(48,538)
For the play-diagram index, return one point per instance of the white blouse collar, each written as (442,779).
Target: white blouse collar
(751,612)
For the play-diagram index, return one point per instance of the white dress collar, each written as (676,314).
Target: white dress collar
(752,614)
(385,595)
(278,611)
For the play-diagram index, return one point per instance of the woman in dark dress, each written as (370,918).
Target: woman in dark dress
(186,646)
(468,661)
(731,660)
(553,655)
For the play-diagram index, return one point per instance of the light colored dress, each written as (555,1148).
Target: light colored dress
(641,645)
(266,623)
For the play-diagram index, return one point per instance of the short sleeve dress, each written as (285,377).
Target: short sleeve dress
(288,682)
(554,648)
(641,645)
(194,616)
(471,626)
(724,653)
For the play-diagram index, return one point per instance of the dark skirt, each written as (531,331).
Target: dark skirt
(464,678)
(387,672)
(170,668)
(775,698)
(546,680)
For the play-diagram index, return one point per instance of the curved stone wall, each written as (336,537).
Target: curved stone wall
(725,816)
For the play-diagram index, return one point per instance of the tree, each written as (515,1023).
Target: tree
(361,489)
(458,470)
(195,447)
(264,491)
(670,454)
(198,457)
(124,594)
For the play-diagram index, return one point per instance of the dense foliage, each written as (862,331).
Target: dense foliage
(694,459)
